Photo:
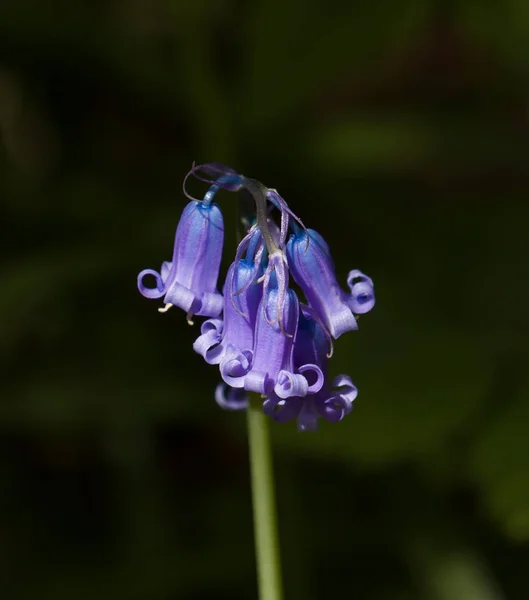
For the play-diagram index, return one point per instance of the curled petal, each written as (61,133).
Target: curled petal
(208,343)
(230,398)
(362,297)
(290,384)
(340,404)
(348,388)
(185,299)
(282,410)
(148,292)
(334,409)
(177,294)
(320,377)
(235,365)
(259,382)
(210,304)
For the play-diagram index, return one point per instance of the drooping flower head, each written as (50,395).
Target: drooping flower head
(261,337)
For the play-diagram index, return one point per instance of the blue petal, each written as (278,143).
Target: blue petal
(313,270)
(290,384)
(241,301)
(362,297)
(308,415)
(230,398)
(148,292)
(240,309)
(335,406)
(311,345)
(189,281)
(235,365)
(282,410)
(208,344)
(273,344)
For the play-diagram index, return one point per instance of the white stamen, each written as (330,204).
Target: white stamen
(165,308)
(189,318)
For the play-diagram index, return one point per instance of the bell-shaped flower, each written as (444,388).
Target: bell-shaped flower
(311,346)
(312,267)
(234,333)
(189,281)
(272,368)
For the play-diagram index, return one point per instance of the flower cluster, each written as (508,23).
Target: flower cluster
(260,335)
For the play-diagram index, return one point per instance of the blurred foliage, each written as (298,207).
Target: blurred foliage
(400,131)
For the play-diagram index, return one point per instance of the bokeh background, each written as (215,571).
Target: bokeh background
(397,129)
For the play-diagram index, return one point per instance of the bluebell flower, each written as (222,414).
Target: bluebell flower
(189,281)
(262,338)
(234,333)
(272,366)
(312,268)
(311,346)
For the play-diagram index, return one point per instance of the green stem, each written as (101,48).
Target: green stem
(264,509)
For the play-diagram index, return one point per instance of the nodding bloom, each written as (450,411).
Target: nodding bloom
(261,337)
(272,368)
(312,346)
(313,270)
(189,281)
(234,333)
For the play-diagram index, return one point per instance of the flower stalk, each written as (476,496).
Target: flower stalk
(263,502)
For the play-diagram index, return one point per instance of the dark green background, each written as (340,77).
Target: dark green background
(400,131)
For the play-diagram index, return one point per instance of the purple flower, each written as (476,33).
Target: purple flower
(311,346)
(189,281)
(272,369)
(313,270)
(260,336)
(234,333)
